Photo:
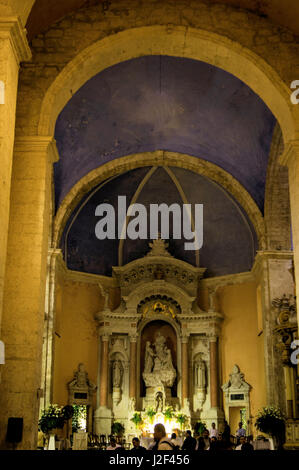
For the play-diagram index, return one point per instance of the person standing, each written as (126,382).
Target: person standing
(213,431)
(241,432)
(226,432)
(162,441)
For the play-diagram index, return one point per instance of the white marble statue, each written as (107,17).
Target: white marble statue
(158,367)
(149,358)
(200,374)
(117,373)
(81,379)
(236,381)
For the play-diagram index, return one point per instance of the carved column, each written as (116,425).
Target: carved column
(133,364)
(185,389)
(214,375)
(104,372)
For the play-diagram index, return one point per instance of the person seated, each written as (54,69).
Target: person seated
(176,442)
(113,444)
(242,441)
(206,439)
(137,446)
(200,444)
(247,446)
(213,444)
(189,443)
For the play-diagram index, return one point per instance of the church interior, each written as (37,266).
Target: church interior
(174,102)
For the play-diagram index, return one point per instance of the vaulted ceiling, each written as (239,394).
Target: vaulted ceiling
(46,12)
(165,103)
(229,240)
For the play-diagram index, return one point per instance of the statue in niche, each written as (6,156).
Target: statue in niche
(159,402)
(117,373)
(200,373)
(158,366)
(81,379)
(149,358)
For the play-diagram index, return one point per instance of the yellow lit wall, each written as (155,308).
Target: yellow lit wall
(75,335)
(240,343)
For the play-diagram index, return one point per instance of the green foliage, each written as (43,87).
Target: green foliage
(271,420)
(181,418)
(137,419)
(150,413)
(117,428)
(79,412)
(51,418)
(169,412)
(199,427)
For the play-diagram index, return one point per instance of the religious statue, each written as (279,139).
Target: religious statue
(158,366)
(81,379)
(117,373)
(200,374)
(159,402)
(149,357)
(236,381)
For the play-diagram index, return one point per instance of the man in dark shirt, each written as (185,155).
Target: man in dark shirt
(189,442)
(137,446)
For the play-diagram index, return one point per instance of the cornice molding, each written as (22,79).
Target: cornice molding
(37,144)
(262,256)
(11,28)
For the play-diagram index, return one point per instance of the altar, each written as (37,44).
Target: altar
(158,351)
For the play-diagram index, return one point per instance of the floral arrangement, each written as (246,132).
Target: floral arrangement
(150,413)
(168,412)
(181,418)
(271,420)
(137,419)
(52,417)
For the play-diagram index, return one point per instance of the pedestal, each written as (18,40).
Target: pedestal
(102,420)
(214,415)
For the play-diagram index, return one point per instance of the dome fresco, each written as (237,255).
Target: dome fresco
(167,103)
(229,240)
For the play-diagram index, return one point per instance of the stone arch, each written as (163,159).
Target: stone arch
(160,158)
(277,199)
(178,41)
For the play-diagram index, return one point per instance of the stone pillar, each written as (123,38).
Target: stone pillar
(185,369)
(104,372)
(25,284)
(103,415)
(274,279)
(13,49)
(214,373)
(133,365)
(290,158)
